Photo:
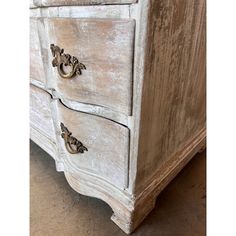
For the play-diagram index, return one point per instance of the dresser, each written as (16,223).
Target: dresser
(117,95)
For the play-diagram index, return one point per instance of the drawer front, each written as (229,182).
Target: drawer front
(40,112)
(106,144)
(105,47)
(79,2)
(36,59)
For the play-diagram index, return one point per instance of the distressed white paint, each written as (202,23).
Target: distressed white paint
(96,110)
(78,2)
(112,12)
(40,113)
(106,49)
(111,163)
(87,108)
(106,141)
(36,60)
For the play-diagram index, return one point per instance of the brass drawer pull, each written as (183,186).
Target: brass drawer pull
(61,59)
(73,145)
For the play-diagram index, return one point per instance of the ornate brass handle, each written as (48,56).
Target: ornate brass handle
(61,59)
(73,145)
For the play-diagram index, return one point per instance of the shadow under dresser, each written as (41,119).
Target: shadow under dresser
(117,95)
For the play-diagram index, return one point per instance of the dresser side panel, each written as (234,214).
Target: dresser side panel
(174,88)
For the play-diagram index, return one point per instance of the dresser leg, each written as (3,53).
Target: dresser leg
(128,221)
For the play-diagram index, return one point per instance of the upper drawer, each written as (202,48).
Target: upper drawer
(105,47)
(107,145)
(79,2)
(36,57)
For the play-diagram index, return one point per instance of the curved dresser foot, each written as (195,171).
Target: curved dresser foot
(130,220)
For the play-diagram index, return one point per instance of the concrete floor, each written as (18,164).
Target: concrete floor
(56,209)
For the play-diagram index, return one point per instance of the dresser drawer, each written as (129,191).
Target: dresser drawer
(40,112)
(105,47)
(41,120)
(105,143)
(79,2)
(36,57)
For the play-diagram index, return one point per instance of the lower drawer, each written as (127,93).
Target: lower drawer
(105,145)
(41,123)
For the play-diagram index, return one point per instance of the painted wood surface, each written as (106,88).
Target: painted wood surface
(36,59)
(106,49)
(107,143)
(174,87)
(91,11)
(97,110)
(43,141)
(128,168)
(31,4)
(79,2)
(40,112)
(87,108)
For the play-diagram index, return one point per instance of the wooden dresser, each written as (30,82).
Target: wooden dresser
(118,95)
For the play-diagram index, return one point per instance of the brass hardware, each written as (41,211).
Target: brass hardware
(73,145)
(61,59)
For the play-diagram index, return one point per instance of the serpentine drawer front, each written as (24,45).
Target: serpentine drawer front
(118,95)
(41,119)
(105,144)
(105,49)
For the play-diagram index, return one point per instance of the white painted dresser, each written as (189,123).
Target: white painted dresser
(118,95)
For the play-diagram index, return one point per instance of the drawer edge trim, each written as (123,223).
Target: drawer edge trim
(92,109)
(90,11)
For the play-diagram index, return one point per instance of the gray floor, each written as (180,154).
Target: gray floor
(58,210)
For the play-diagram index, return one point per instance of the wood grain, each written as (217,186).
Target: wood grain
(79,2)
(106,49)
(40,113)
(106,141)
(87,108)
(91,11)
(174,87)
(36,61)
(97,110)
(43,141)
(157,90)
